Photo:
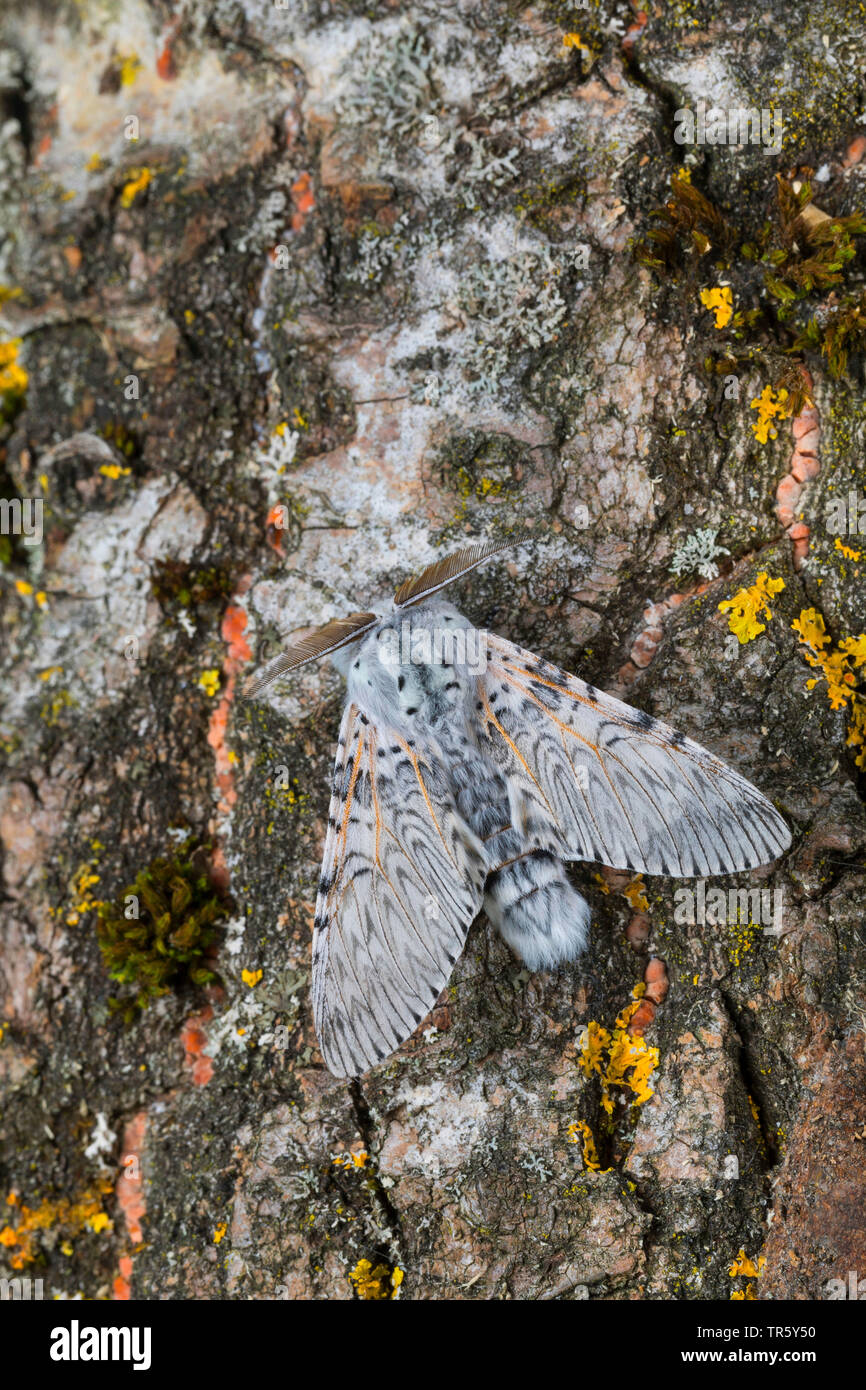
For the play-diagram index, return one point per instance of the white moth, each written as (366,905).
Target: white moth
(468,772)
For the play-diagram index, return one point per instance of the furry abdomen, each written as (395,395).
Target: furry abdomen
(536,909)
(527,895)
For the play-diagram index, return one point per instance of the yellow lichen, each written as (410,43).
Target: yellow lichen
(579,1132)
(377,1283)
(575,41)
(251,977)
(839,669)
(138,180)
(356,1159)
(13,377)
(721,301)
(114,470)
(219,1232)
(593,1042)
(209,682)
(742,938)
(82,900)
(624,1064)
(835,666)
(636,894)
(72,1217)
(846,550)
(771,405)
(857,732)
(52,709)
(743,1265)
(748,606)
(128,69)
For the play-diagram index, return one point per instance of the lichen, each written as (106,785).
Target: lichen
(624,1064)
(748,606)
(579,1132)
(13,377)
(771,405)
(745,1268)
(719,301)
(375,1283)
(52,1218)
(137,181)
(514,305)
(839,669)
(209,681)
(699,553)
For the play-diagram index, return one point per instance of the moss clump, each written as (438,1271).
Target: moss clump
(123,439)
(803,249)
(687,223)
(842,332)
(175,584)
(798,253)
(154,937)
(799,249)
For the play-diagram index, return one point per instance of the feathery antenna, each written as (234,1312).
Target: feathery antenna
(445,571)
(322,642)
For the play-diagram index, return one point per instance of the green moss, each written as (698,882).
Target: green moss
(174,911)
(794,255)
(117,433)
(843,331)
(175,583)
(687,223)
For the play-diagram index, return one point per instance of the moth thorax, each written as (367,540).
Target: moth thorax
(439,640)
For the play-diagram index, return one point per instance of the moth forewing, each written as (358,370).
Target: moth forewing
(381,957)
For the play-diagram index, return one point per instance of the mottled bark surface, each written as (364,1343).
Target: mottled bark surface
(374,265)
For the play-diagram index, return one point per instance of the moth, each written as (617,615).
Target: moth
(468,773)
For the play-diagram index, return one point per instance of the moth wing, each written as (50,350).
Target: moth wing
(617,786)
(402,879)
